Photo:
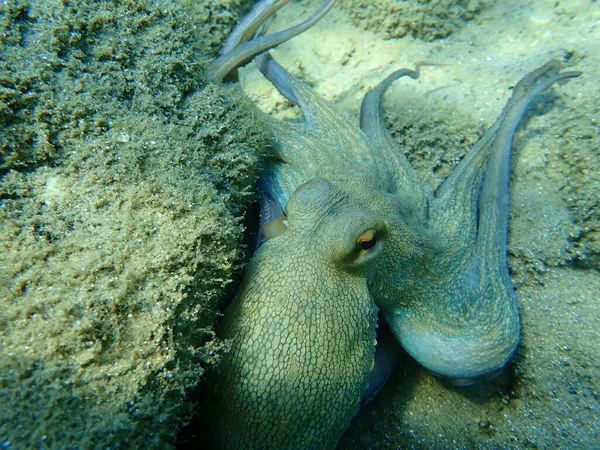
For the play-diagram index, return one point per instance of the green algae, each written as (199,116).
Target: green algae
(213,20)
(426,19)
(124,177)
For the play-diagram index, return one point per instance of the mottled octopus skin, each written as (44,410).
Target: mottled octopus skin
(301,350)
(442,279)
(302,327)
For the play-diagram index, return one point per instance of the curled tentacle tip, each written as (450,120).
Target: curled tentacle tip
(241,49)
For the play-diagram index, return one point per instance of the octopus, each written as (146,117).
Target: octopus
(353,232)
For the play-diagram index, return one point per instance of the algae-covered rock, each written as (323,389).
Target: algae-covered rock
(213,20)
(123,179)
(424,19)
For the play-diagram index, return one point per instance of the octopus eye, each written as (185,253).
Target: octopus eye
(367,241)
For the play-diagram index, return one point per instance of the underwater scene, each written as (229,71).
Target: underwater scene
(305,248)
